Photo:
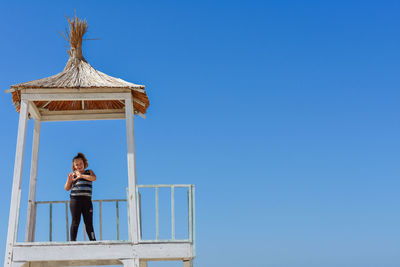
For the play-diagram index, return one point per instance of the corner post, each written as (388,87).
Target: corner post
(131,157)
(31,214)
(16,187)
(188,263)
(130,262)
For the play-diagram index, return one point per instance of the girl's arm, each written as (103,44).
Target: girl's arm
(68,184)
(90,177)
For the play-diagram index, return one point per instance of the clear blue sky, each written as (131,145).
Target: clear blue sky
(284,114)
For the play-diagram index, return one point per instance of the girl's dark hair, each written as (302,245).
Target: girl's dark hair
(83,158)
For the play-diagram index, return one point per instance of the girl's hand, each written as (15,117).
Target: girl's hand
(70,180)
(78,175)
(70,177)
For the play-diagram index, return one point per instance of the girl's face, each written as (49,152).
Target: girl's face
(79,165)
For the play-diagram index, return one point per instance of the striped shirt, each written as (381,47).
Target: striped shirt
(82,187)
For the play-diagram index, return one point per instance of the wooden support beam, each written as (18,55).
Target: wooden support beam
(73,263)
(46,112)
(141,115)
(16,187)
(81,115)
(101,250)
(31,214)
(75,96)
(139,102)
(34,111)
(84,117)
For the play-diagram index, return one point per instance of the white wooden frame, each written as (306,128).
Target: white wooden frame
(132,253)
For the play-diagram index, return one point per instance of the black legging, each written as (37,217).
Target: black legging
(81,205)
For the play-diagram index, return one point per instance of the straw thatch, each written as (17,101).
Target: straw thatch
(79,74)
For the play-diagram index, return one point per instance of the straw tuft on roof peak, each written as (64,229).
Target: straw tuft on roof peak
(74,35)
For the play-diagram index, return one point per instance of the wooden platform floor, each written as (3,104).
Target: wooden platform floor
(84,253)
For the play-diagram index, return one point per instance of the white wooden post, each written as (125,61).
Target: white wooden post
(131,262)
(133,227)
(188,263)
(31,214)
(16,187)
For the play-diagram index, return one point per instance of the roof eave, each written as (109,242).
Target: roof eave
(138,88)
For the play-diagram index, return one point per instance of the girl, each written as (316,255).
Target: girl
(79,181)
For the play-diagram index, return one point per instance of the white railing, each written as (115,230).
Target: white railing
(190,214)
(66,203)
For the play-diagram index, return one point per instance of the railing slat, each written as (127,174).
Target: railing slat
(84,232)
(51,222)
(100,221)
(128,214)
(66,221)
(117,209)
(173,212)
(193,220)
(139,211)
(157,226)
(190,219)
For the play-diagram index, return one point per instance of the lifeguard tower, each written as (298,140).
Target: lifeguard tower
(81,92)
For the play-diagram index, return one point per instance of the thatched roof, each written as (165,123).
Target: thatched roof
(79,74)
